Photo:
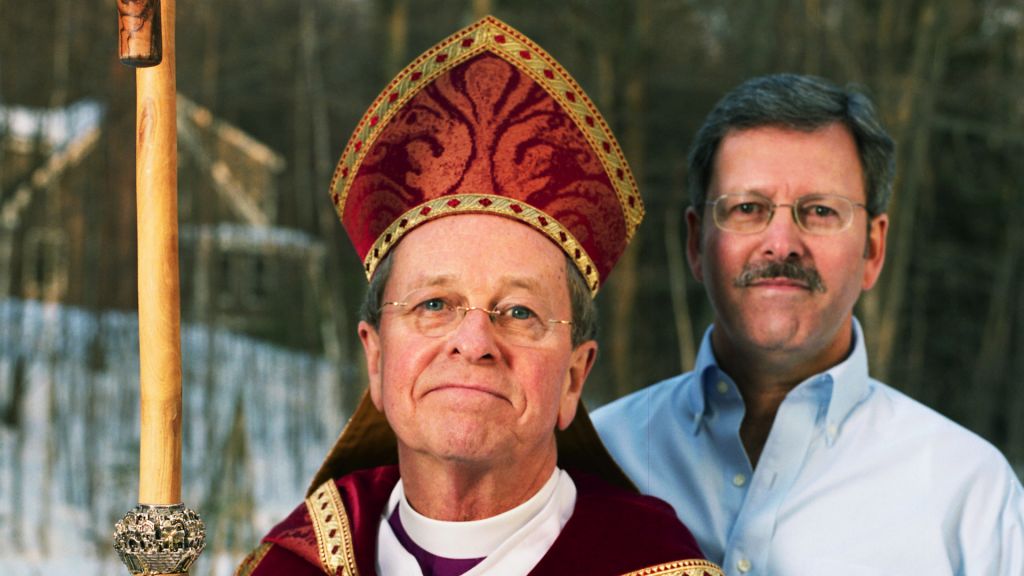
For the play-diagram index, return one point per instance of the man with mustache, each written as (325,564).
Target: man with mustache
(804,464)
(488,201)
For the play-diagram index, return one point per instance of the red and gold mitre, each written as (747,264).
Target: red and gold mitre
(488,122)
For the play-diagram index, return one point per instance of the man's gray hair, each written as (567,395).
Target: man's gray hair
(803,103)
(584,311)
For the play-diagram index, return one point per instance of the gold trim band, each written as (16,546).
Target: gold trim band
(333,534)
(484,204)
(680,568)
(252,561)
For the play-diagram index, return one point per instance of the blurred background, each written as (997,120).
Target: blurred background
(269,91)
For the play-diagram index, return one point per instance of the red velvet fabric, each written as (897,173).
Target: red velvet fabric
(486,127)
(612,531)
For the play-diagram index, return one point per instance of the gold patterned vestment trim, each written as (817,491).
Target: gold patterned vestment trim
(250,562)
(484,204)
(333,533)
(493,35)
(680,568)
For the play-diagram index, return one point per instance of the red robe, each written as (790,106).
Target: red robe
(612,531)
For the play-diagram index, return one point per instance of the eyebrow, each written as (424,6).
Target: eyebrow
(504,282)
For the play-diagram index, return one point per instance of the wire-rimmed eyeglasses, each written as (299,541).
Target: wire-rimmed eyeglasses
(750,212)
(516,323)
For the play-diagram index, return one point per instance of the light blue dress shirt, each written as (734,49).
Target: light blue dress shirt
(855,477)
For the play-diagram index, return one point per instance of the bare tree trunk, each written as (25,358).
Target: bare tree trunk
(991,361)
(209,13)
(675,240)
(481,8)
(912,132)
(1015,403)
(398,36)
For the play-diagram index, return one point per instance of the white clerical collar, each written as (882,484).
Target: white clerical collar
(474,538)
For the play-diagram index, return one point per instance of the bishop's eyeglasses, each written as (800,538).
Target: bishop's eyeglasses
(434,317)
(750,212)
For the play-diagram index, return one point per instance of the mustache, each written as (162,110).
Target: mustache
(781,269)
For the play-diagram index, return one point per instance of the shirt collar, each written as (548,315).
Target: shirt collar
(838,389)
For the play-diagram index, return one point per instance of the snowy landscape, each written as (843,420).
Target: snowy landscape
(257,421)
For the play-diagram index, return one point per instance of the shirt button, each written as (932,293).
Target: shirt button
(739,480)
(743,565)
(723,387)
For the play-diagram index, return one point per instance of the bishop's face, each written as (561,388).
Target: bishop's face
(471,394)
(783,316)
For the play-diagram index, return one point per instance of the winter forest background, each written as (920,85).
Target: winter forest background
(270,91)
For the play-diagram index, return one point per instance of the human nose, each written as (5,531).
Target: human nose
(783,236)
(474,335)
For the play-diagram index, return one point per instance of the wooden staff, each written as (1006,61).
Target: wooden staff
(146,41)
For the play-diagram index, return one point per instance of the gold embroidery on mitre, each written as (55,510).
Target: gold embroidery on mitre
(680,568)
(333,535)
(512,46)
(253,559)
(484,204)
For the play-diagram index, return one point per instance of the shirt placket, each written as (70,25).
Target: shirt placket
(749,542)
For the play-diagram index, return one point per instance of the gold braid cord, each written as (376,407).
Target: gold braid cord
(680,568)
(249,564)
(333,534)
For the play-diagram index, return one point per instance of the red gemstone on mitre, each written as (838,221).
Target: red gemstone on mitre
(562,236)
(344,172)
(549,73)
(425,210)
(500,38)
(607,147)
(374,120)
(440,58)
(543,221)
(403,223)
(335,197)
(466,43)
(516,208)
(577,254)
(485,202)
(387,239)
(453,202)
(590,121)
(620,173)
(335,549)
(524,55)
(632,201)
(416,76)
(571,96)
(393,96)
(587,272)
(332,533)
(358,145)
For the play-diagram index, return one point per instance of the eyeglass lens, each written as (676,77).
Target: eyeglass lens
(814,213)
(438,317)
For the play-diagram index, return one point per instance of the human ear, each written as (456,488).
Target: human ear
(874,250)
(693,244)
(371,349)
(579,367)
